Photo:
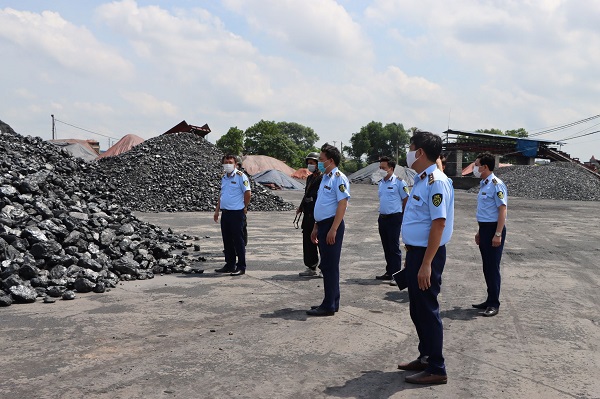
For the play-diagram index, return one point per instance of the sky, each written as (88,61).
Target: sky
(140,67)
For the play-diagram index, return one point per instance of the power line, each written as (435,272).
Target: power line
(85,130)
(583,135)
(561,127)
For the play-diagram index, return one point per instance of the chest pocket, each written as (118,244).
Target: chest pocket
(416,202)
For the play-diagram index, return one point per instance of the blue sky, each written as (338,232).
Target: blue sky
(141,67)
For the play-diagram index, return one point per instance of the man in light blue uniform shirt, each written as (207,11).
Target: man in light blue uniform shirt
(426,229)
(233,203)
(491,217)
(328,232)
(393,194)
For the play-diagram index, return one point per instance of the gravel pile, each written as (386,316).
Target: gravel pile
(174,173)
(61,232)
(556,180)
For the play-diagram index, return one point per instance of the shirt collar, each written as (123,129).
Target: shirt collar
(488,179)
(425,173)
(333,171)
(391,179)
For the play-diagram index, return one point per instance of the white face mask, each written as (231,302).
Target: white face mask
(228,167)
(411,158)
(476,171)
(311,168)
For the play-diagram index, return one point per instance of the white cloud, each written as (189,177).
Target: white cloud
(318,28)
(48,36)
(147,104)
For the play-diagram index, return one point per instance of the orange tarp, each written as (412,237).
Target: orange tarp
(254,164)
(301,173)
(123,145)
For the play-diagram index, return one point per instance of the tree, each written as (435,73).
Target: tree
(520,132)
(304,137)
(232,142)
(374,140)
(266,138)
(399,139)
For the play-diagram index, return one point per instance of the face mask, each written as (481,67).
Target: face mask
(321,167)
(228,168)
(411,158)
(311,168)
(476,172)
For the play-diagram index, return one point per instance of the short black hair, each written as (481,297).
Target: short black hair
(229,156)
(487,159)
(332,152)
(391,163)
(430,143)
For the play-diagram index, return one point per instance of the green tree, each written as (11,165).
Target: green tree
(304,137)
(232,142)
(374,141)
(399,139)
(520,132)
(266,138)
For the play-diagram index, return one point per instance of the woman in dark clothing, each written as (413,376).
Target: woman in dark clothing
(307,206)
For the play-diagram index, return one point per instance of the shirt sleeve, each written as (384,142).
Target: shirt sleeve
(501,194)
(245,183)
(438,200)
(342,191)
(403,188)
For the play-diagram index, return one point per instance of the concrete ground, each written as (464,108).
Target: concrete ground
(210,336)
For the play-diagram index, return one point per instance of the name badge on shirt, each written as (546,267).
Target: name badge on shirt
(233,182)
(390,188)
(417,197)
(484,193)
(327,187)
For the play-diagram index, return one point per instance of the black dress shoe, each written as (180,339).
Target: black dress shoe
(481,306)
(426,378)
(238,272)
(319,312)
(225,269)
(489,312)
(317,306)
(385,277)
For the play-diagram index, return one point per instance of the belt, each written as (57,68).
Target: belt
(328,220)
(231,210)
(389,215)
(414,247)
(488,223)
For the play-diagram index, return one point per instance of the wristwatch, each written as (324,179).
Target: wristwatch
(498,234)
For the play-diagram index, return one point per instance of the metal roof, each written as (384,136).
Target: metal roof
(501,137)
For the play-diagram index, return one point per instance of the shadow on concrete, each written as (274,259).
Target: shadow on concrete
(372,384)
(397,296)
(457,313)
(209,274)
(366,281)
(290,277)
(286,314)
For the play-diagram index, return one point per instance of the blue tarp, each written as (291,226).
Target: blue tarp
(528,148)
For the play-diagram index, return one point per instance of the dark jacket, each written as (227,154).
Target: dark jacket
(307,206)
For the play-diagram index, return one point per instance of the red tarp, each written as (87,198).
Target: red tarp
(254,164)
(123,145)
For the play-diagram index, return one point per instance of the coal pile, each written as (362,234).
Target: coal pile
(174,173)
(61,232)
(556,180)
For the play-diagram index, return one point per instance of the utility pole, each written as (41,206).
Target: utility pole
(333,141)
(53,127)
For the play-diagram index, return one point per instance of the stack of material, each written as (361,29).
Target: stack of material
(254,164)
(60,231)
(173,173)
(276,180)
(371,174)
(122,146)
(77,148)
(301,173)
(556,180)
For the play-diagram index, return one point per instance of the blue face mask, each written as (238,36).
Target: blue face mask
(321,167)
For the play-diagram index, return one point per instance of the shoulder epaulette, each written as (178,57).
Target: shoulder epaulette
(337,174)
(494,181)
(422,175)
(330,174)
(431,178)
(239,173)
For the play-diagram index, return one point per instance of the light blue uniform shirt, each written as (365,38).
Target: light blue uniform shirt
(492,195)
(334,188)
(391,194)
(233,188)
(432,197)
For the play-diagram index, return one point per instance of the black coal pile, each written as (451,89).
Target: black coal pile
(556,180)
(174,173)
(60,232)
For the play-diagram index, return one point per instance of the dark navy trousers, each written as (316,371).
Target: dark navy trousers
(424,306)
(389,231)
(330,263)
(232,225)
(491,257)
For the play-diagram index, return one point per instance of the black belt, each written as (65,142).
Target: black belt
(488,223)
(389,215)
(414,247)
(328,220)
(231,210)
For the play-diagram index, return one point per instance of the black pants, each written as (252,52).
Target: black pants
(389,231)
(491,257)
(310,250)
(233,240)
(330,263)
(424,306)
